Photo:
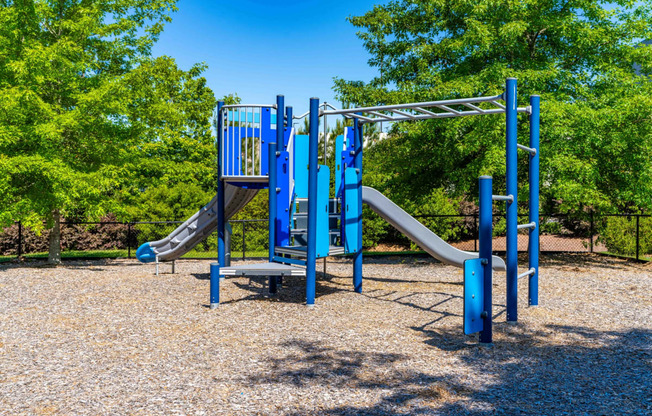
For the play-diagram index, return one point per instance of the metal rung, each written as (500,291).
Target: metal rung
(508,198)
(527,149)
(525,274)
(530,225)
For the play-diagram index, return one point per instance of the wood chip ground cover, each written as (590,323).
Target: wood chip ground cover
(109,337)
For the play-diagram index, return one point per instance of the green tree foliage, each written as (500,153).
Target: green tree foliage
(579,55)
(88,118)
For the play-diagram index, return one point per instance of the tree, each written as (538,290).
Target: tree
(88,118)
(578,54)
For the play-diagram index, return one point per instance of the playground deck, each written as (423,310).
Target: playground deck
(111,338)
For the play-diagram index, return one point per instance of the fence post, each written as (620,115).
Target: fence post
(20,239)
(591,232)
(244,223)
(475,241)
(638,245)
(128,240)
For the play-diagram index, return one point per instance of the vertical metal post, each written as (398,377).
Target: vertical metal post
(533,241)
(128,240)
(475,241)
(280,124)
(20,239)
(221,224)
(591,232)
(272,199)
(312,202)
(244,241)
(357,162)
(512,207)
(288,121)
(485,237)
(638,245)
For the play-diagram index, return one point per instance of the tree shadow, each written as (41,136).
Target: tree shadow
(529,371)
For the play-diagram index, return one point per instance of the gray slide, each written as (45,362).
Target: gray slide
(196,228)
(417,232)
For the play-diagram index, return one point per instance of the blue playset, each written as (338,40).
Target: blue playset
(258,149)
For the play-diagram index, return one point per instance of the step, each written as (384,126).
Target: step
(263,269)
(300,251)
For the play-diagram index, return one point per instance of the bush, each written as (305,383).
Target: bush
(619,235)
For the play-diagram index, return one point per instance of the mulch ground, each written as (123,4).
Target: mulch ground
(109,337)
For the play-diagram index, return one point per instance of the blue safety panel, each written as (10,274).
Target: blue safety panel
(347,159)
(473,295)
(323,188)
(286,138)
(249,118)
(233,151)
(283,199)
(267,136)
(301,154)
(351,210)
(349,139)
(339,146)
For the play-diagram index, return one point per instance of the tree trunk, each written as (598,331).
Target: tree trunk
(54,256)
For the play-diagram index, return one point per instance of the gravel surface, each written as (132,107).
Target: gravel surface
(109,337)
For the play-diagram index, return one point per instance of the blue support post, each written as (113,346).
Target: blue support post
(288,121)
(313,147)
(512,207)
(485,241)
(533,245)
(221,224)
(271,154)
(280,122)
(357,257)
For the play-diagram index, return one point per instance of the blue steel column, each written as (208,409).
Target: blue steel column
(271,223)
(271,157)
(280,122)
(512,207)
(288,120)
(313,149)
(357,163)
(485,240)
(533,248)
(215,278)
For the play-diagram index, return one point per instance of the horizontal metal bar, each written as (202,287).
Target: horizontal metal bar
(527,149)
(497,104)
(377,114)
(523,226)
(249,105)
(443,107)
(508,198)
(473,107)
(414,105)
(440,115)
(525,274)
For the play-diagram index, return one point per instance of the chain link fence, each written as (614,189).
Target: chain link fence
(627,235)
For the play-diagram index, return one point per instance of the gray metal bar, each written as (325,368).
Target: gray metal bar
(403,113)
(497,104)
(420,104)
(508,198)
(527,149)
(421,110)
(524,226)
(443,107)
(426,117)
(377,114)
(249,105)
(525,274)
(473,107)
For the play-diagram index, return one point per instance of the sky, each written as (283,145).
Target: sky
(261,48)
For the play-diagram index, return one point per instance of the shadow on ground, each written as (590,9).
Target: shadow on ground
(525,373)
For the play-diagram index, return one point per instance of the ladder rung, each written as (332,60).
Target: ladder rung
(508,198)
(527,149)
(525,274)
(529,225)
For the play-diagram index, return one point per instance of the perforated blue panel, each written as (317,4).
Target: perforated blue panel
(351,210)
(283,200)
(323,188)
(339,146)
(301,153)
(473,295)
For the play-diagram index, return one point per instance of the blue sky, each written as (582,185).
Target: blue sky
(258,48)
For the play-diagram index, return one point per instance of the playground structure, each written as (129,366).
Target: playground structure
(258,149)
